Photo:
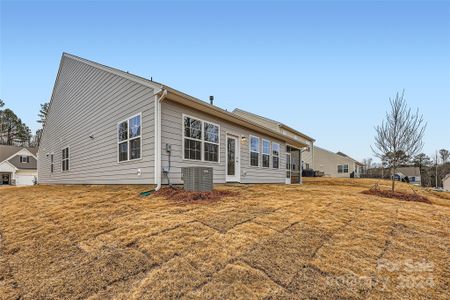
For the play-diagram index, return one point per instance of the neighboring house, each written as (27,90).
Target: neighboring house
(18,165)
(106,126)
(446,183)
(412,174)
(336,164)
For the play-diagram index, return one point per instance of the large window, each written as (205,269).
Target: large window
(200,139)
(129,138)
(265,153)
(276,155)
(65,159)
(342,168)
(254,151)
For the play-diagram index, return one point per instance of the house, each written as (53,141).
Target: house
(408,174)
(336,164)
(446,183)
(307,154)
(107,126)
(18,165)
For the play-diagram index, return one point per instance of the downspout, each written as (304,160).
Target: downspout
(162,94)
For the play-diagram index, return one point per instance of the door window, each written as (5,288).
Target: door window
(231,156)
(288,165)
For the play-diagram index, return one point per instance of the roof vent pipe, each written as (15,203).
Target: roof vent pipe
(211,100)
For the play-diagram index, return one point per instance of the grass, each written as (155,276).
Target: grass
(324,239)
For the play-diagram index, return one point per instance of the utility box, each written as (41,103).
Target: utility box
(197,179)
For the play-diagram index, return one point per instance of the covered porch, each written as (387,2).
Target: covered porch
(293,165)
(7,173)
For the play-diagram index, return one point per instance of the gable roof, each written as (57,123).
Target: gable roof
(7,163)
(7,151)
(183,99)
(241,112)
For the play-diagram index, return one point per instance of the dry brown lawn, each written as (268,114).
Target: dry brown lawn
(323,239)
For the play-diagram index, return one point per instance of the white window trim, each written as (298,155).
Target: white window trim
(68,158)
(201,140)
(250,151)
(342,165)
(279,154)
(128,139)
(262,153)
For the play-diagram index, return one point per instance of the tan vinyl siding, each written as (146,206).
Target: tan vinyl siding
(89,101)
(307,157)
(327,162)
(171,131)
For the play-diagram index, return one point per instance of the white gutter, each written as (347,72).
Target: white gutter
(162,94)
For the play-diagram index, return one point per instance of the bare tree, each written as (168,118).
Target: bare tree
(399,137)
(367,163)
(444,154)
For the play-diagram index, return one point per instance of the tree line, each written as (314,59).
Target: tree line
(432,169)
(13,131)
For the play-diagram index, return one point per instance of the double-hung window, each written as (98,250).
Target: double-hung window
(129,138)
(211,145)
(342,168)
(24,159)
(192,138)
(265,153)
(200,139)
(65,159)
(254,151)
(275,155)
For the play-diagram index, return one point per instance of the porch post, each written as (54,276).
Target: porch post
(301,165)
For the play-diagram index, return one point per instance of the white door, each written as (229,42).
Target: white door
(288,168)
(233,164)
(22,179)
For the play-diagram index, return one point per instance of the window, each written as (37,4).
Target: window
(254,151)
(211,146)
(275,155)
(307,166)
(129,138)
(200,136)
(65,159)
(265,153)
(51,163)
(342,168)
(24,159)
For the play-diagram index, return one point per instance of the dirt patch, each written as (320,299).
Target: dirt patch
(397,195)
(178,194)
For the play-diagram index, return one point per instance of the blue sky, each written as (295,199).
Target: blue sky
(325,68)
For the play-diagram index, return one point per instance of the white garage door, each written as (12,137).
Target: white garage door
(22,179)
